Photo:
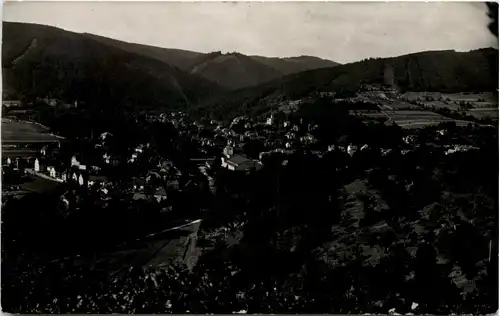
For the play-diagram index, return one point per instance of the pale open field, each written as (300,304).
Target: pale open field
(411,119)
(470,97)
(25,132)
(484,113)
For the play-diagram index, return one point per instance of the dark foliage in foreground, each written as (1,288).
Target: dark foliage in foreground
(423,236)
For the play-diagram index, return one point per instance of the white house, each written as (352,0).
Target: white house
(133,158)
(107,158)
(351,149)
(270,120)
(74,161)
(36,166)
(80,180)
(52,171)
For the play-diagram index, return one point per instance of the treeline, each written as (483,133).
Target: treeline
(443,71)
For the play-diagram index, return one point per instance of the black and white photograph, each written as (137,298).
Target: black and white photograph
(249,157)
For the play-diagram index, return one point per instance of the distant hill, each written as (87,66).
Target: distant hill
(444,71)
(89,67)
(231,70)
(234,70)
(46,61)
(182,59)
(292,65)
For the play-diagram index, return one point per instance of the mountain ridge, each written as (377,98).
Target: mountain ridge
(214,65)
(45,61)
(230,71)
(444,71)
(69,65)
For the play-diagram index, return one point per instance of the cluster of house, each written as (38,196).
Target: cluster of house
(238,162)
(276,133)
(156,183)
(273,133)
(76,172)
(164,178)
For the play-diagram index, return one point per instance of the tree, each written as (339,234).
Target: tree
(493,15)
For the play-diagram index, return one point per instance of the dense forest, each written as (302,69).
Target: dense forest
(443,71)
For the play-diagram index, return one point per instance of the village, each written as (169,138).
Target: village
(240,146)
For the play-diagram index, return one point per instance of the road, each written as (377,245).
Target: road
(43,176)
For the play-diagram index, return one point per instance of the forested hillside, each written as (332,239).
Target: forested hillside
(443,71)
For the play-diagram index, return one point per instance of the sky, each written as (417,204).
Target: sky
(340,31)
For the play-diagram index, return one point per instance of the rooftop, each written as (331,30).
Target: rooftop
(237,159)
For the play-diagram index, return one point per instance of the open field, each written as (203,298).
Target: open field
(411,119)
(422,124)
(384,101)
(471,97)
(26,132)
(419,119)
(452,100)
(399,104)
(483,113)
(408,115)
(441,105)
(419,96)
(462,96)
